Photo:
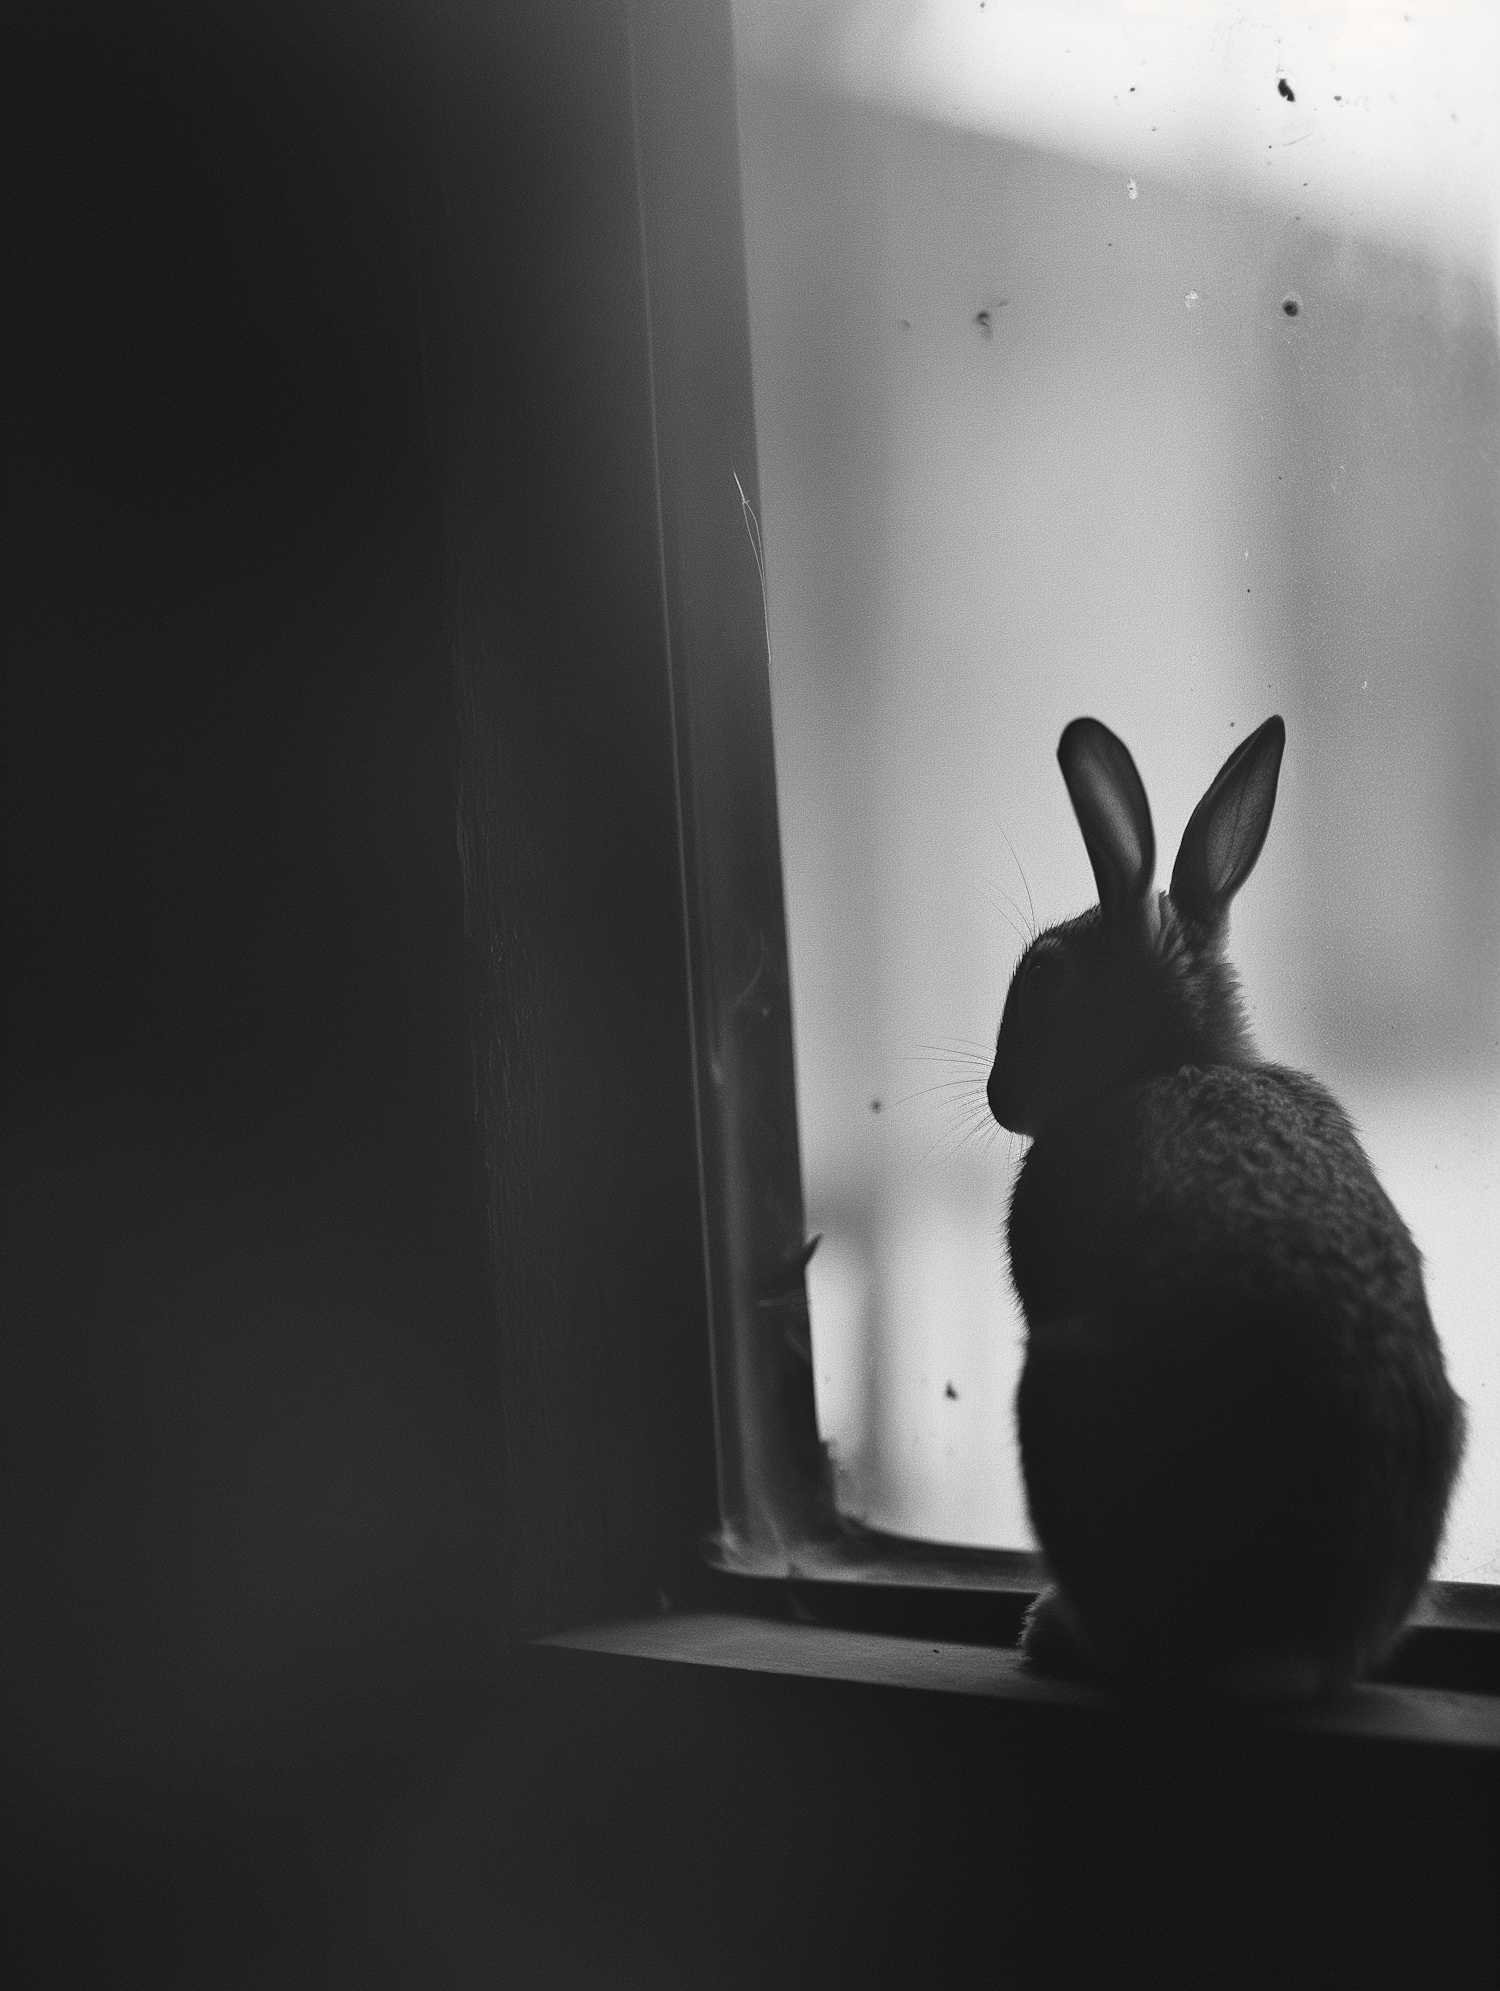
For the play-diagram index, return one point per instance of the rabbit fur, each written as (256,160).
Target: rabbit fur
(1236,1430)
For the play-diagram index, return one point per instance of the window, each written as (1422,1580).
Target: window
(1137,363)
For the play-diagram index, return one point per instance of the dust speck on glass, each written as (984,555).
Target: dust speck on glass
(1007,478)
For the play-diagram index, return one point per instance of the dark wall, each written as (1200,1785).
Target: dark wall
(350,1212)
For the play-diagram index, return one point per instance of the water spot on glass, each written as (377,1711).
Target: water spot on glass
(1132,189)
(1291,305)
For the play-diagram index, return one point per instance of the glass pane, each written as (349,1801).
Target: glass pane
(1140,362)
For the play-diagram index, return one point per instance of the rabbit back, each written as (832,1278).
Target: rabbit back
(1231,1373)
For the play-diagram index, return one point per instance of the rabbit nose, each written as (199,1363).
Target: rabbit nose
(1005,1100)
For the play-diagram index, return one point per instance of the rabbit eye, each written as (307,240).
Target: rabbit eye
(1046,975)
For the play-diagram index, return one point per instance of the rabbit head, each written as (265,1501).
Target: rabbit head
(1139,984)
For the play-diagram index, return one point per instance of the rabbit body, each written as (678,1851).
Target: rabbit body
(1236,1430)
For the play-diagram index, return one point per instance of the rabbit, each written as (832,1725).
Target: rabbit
(1236,1430)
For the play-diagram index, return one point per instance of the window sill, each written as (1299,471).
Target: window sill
(761,1801)
(1374,1713)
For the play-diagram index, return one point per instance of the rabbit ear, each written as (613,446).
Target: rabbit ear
(1225,833)
(1112,812)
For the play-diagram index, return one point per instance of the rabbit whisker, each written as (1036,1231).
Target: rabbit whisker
(959,1047)
(1017,923)
(1021,872)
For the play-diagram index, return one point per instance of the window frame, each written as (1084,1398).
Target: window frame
(755,1535)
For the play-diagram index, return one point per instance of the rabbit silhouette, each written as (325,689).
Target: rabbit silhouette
(1236,1430)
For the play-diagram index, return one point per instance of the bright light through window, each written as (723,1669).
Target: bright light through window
(1138,361)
